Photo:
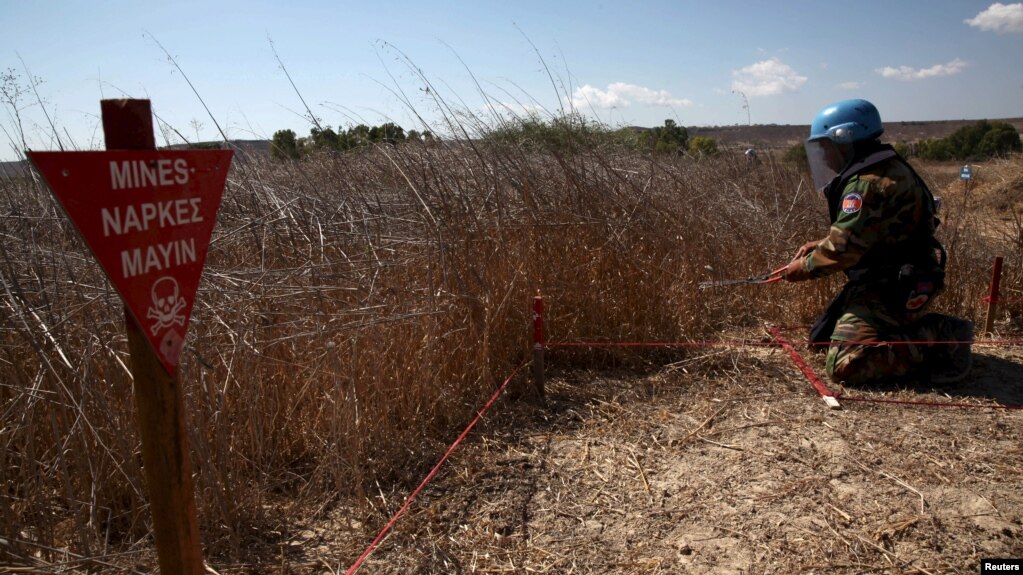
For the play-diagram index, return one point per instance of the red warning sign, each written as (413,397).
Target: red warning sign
(147,216)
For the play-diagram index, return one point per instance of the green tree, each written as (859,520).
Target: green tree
(965,141)
(284,145)
(358,136)
(325,139)
(668,138)
(978,141)
(702,146)
(1001,139)
(796,154)
(417,137)
(389,133)
(939,150)
(564,134)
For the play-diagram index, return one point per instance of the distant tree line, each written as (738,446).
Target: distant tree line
(574,132)
(977,142)
(563,134)
(672,138)
(285,144)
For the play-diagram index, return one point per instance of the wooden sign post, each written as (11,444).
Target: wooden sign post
(147,216)
(128,125)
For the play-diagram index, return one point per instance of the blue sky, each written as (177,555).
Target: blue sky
(701,63)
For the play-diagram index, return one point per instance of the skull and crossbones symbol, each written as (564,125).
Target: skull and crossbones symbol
(167,305)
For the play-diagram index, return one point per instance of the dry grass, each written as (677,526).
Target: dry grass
(731,466)
(356,308)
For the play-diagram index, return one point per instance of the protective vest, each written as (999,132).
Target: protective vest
(876,259)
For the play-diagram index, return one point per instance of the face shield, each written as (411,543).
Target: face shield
(826,161)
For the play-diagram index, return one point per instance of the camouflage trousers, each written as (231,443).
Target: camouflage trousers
(871,345)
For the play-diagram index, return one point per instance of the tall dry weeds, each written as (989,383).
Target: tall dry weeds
(356,308)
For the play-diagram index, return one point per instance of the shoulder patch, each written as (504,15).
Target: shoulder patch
(852,203)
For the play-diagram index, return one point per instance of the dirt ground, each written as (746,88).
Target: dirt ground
(725,462)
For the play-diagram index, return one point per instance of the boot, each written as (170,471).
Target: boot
(950,358)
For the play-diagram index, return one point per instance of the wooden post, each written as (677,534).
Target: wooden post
(128,125)
(992,297)
(538,375)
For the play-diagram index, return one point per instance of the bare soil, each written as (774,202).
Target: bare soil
(725,462)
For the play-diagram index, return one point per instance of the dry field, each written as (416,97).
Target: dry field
(357,311)
(721,464)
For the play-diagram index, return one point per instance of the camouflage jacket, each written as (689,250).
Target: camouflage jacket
(882,216)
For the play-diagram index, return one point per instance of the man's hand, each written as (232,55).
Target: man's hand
(806,249)
(796,270)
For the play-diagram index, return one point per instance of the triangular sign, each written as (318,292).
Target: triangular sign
(147,216)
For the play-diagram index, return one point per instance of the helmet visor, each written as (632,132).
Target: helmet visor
(825,159)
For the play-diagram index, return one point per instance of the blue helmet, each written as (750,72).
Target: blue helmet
(846,122)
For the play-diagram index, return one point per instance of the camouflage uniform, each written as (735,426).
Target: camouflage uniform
(882,219)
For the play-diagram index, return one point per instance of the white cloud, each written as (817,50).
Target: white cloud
(622,95)
(999,18)
(767,78)
(906,73)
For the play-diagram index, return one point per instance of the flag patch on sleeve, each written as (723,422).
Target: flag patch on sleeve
(852,203)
